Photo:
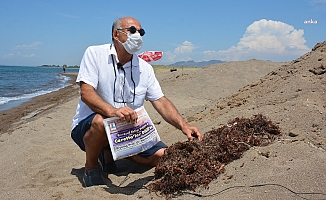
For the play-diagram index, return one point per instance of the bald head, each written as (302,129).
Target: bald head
(124,22)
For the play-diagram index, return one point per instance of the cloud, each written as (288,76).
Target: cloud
(320,4)
(169,56)
(67,15)
(18,54)
(182,52)
(28,46)
(9,55)
(317,1)
(265,39)
(186,47)
(28,56)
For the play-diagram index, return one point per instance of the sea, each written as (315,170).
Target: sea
(19,84)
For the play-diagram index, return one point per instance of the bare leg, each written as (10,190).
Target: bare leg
(149,161)
(107,156)
(95,140)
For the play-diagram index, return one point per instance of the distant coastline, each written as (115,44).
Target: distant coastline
(53,66)
(60,66)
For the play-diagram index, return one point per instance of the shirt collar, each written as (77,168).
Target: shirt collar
(135,61)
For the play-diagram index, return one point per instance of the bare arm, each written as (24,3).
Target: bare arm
(98,105)
(170,114)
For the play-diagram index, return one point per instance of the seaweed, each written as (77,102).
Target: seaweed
(187,165)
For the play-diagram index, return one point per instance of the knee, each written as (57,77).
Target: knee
(159,153)
(156,156)
(96,130)
(97,123)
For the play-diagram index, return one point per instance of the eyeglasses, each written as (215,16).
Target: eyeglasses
(133,30)
(122,94)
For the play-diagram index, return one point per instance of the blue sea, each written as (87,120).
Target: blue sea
(19,84)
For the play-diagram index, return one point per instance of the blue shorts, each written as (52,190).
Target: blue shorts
(77,134)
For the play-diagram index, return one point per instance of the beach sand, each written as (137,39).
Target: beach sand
(39,160)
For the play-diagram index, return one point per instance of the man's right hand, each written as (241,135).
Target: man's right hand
(98,105)
(126,114)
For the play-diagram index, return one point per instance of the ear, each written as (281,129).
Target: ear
(115,34)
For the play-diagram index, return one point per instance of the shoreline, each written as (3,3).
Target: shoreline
(30,110)
(41,161)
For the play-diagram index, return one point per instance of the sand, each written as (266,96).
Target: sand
(39,160)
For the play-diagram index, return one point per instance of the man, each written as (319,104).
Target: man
(114,82)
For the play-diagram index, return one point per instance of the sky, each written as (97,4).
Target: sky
(57,32)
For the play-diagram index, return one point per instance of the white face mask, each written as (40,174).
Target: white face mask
(133,44)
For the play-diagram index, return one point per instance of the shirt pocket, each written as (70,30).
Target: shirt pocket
(139,96)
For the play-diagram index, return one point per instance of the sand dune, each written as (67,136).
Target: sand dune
(40,161)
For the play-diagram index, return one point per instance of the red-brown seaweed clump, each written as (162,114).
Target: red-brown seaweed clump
(187,165)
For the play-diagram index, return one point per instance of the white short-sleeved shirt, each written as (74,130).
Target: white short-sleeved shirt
(113,84)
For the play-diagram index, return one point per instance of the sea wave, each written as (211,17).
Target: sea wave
(10,100)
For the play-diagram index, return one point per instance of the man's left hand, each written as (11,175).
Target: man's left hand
(192,132)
